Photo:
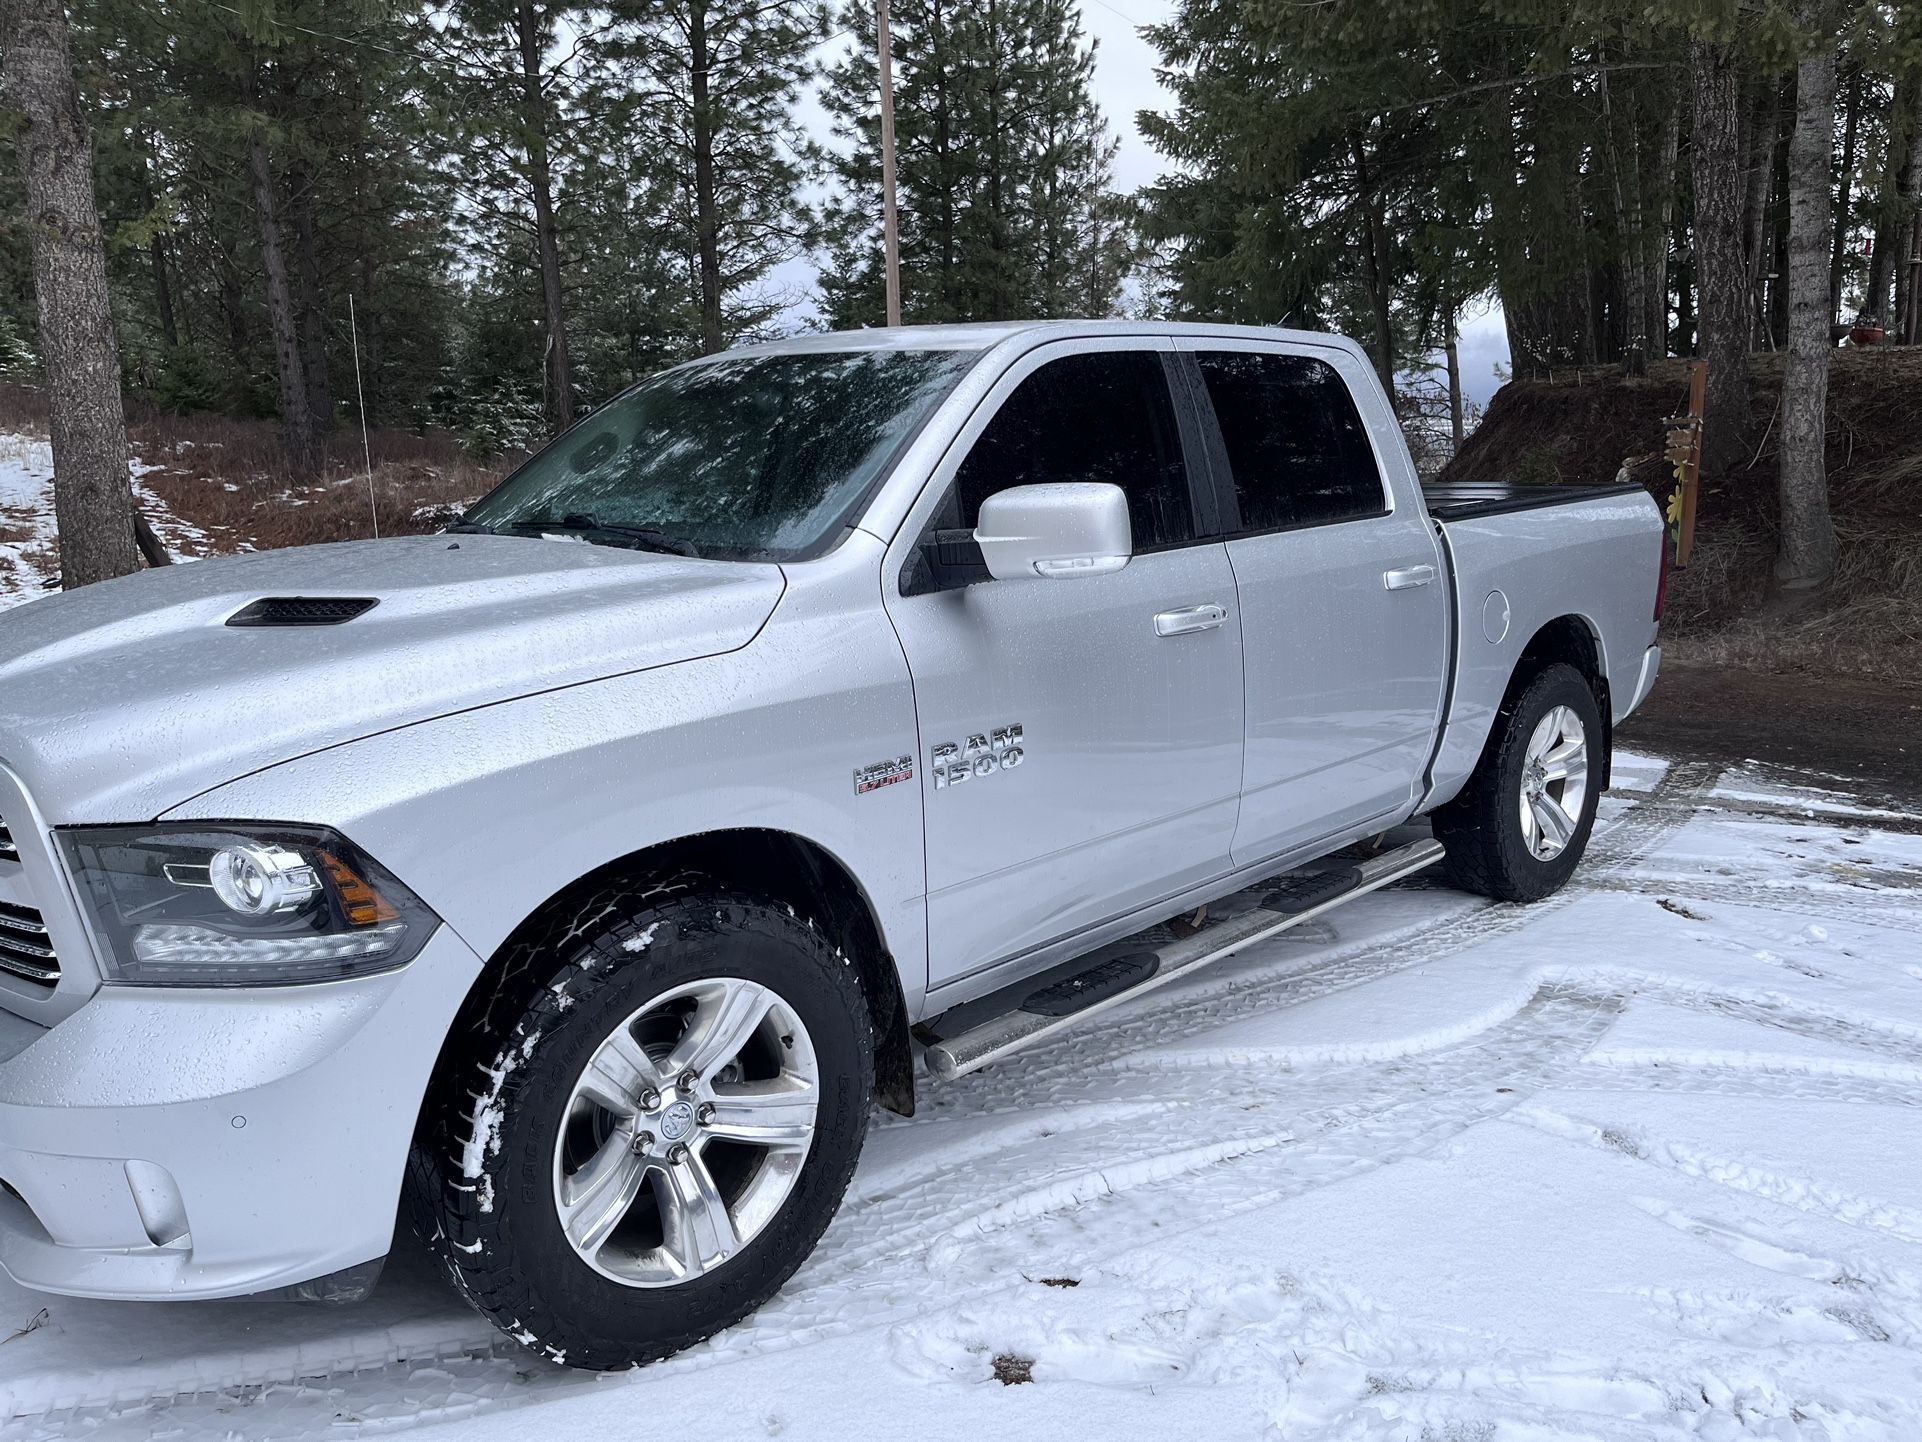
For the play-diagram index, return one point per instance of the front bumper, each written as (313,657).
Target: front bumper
(161,1144)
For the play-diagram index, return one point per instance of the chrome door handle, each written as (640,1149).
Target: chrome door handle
(1189,618)
(1407,576)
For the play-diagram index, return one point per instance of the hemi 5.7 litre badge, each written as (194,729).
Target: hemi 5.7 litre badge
(882,773)
(978,757)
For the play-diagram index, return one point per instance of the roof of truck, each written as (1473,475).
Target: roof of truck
(981,335)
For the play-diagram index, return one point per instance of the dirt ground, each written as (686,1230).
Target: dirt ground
(1867,730)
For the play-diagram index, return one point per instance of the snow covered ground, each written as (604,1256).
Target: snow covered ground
(29,558)
(1644,1161)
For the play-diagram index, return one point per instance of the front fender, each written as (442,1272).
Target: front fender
(488,813)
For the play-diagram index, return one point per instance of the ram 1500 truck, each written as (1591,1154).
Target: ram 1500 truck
(810,724)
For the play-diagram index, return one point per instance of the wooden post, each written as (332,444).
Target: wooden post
(890,217)
(1685,455)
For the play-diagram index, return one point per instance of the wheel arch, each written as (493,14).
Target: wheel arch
(1574,640)
(785,867)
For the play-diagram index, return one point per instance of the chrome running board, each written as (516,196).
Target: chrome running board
(1009,1032)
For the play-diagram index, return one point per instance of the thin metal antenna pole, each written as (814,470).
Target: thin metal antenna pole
(360,394)
(890,217)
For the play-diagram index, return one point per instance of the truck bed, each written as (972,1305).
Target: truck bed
(1466,500)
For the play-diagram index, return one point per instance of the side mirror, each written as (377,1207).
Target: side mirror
(1061,531)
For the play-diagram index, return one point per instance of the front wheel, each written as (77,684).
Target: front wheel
(1519,828)
(652,1128)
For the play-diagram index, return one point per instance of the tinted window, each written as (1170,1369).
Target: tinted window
(742,456)
(1296,445)
(1099,417)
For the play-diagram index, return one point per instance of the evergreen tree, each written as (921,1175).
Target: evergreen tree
(516,82)
(93,495)
(1003,167)
(710,89)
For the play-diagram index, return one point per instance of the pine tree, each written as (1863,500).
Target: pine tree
(712,87)
(511,99)
(93,495)
(1805,557)
(1003,167)
(1720,275)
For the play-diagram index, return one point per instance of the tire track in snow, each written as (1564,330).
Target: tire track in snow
(1364,1115)
(1889,910)
(891,1257)
(1781,1078)
(1803,1193)
(1222,998)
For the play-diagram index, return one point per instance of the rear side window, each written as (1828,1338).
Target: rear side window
(1104,416)
(1296,445)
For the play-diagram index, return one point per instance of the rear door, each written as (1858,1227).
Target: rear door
(1342,593)
(1078,760)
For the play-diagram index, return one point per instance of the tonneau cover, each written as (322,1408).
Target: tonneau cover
(1464,500)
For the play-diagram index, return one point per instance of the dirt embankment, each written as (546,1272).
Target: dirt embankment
(1583,426)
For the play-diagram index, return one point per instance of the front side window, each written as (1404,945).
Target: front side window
(753,457)
(1296,445)
(1101,416)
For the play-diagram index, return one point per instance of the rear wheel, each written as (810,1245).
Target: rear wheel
(1519,828)
(652,1127)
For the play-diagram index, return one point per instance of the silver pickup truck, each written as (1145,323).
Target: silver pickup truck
(569,883)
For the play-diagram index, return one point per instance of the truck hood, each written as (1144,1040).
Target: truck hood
(121,700)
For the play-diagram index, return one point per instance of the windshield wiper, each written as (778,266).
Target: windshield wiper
(644,538)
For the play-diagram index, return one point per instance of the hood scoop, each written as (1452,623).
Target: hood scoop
(302,610)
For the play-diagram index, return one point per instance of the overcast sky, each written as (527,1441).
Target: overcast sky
(1125,85)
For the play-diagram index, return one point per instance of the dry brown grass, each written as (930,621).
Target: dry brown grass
(23,409)
(228,478)
(1721,609)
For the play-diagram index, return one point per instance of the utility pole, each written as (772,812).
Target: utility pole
(890,217)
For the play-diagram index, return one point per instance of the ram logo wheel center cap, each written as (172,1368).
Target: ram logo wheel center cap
(677,1121)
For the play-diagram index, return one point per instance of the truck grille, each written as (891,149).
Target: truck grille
(25,950)
(8,851)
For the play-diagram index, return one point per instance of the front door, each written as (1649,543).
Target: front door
(1075,762)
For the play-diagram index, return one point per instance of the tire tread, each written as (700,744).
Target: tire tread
(544,975)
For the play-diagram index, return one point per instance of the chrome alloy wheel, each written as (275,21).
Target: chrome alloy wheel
(686,1132)
(1554,783)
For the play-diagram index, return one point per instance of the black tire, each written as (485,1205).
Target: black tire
(1482,829)
(482,1181)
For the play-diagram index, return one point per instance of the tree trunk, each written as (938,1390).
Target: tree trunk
(1378,284)
(1685,330)
(1720,278)
(1375,267)
(1905,122)
(233,309)
(1777,329)
(92,489)
(1453,350)
(163,293)
(707,220)
(1805,556)
(1620,135)
(312,306)
(1656,288)
(296,422)
(1911,312)
(1838,253)
(540,179)
(1758,170)
(1906,234)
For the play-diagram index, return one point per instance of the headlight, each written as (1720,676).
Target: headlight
(254,905)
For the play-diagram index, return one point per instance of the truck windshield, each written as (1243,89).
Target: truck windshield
(761,457)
